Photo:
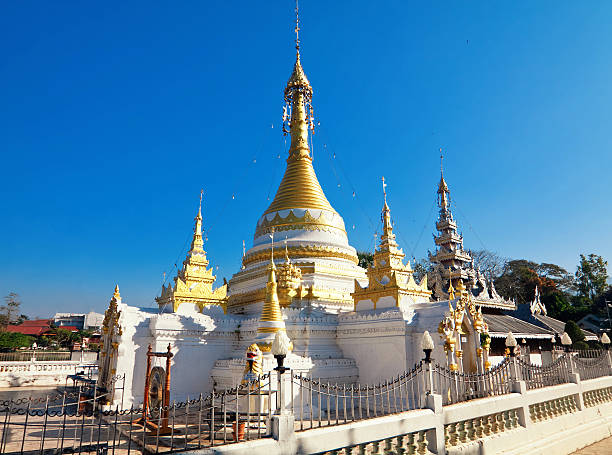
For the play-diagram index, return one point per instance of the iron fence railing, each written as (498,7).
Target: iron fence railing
(70,423)
(589,353)
(537,376)
(455,387)
(316,402)
(78,421)
(592,367)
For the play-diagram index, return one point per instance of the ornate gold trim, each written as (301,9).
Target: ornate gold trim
(300,252)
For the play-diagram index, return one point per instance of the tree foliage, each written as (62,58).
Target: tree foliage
(421,268)
(10,340)
(366,259)
(520,278)
(591,276)
(65,338)
(574,332)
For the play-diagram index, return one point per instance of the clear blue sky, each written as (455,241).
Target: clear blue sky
(114,116)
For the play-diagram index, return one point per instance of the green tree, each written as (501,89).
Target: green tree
(10,341)
(421,268)
(574,332)
(520,278)
(592,276)
(366,259)
(66,338)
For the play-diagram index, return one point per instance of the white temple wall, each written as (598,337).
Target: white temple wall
(377,342)
(386,302)
(197,341)
(427,316)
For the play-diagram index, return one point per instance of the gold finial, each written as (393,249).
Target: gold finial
(384,187)
(451,290)
(443,192)
(197,243)
(272,246)
(116,294)
(297,27)
(271,319)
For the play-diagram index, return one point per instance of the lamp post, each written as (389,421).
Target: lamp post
(280,349)
(511,344)
(427,345)
(566,341)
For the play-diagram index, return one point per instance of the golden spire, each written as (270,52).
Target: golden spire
(299,187)
(443,191)
(197,244)
(116,294)
(271,320)
(451,290)
(387,238)
(271,308)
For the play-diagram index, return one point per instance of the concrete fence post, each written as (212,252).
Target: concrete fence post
(523,412)
(514,375)
(575,379)
(435,437)
(282,423)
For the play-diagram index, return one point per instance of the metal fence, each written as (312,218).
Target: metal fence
(70,423)
(316,403)
(76,421)
(537,376)
(589,353)
(456,387)
(591,367)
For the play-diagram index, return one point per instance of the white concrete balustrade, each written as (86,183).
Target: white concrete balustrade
(549,420)
(34,373)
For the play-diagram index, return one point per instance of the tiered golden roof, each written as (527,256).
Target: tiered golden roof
(271,319)
(194,282)
(299,187)
(389,277)
(271,308)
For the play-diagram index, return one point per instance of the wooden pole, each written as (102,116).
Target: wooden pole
(167,388)
(145,404)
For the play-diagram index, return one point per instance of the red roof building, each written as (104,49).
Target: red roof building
(35,328)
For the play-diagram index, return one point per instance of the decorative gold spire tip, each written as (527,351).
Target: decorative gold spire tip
(297,27)
(116,294)
(384,188)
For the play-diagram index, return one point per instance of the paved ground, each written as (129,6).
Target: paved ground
(599,448)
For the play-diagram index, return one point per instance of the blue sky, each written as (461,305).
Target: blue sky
(114,116)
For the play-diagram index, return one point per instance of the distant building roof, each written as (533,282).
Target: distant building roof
(36,323)
(559,327)
(501,324)
(36,327)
